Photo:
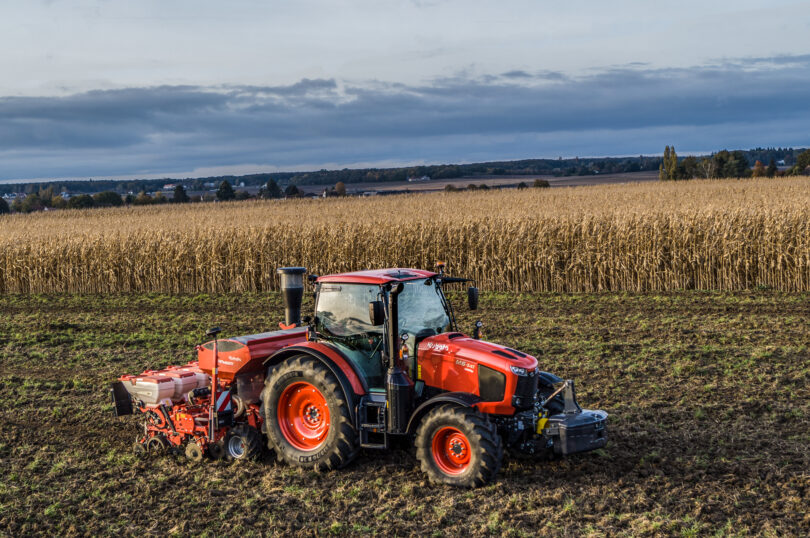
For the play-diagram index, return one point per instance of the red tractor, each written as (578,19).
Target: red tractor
(381,359)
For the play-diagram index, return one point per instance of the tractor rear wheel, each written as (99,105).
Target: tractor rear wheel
(458,446)
(307,416)
(243,443)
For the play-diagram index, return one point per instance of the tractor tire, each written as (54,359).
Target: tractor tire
(194,453)
(458,446)
(308,418)
(243,443)
(216,450)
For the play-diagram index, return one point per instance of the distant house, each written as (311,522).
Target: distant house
(169,186)
(415,179)
(65,195)
(780,162)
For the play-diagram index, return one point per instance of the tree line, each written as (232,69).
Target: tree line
(733,164)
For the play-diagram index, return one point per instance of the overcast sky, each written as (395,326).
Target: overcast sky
(104,88)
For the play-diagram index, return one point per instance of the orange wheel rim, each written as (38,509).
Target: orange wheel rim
(451,450)
(303,416)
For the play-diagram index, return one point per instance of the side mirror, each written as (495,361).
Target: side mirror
(472,297)
(376,313)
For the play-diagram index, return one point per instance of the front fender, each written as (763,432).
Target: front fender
(461,399)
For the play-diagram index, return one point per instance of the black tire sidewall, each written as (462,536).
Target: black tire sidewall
(435,422)
(251,439)
(276,387)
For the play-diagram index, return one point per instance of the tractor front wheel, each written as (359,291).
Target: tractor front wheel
(458,446)
(307,416)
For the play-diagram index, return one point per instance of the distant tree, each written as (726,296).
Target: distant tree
(225,192)
(107,198)
(662,172)
(706,168)
(180,196)
(129,199)
(472,187)
(668,170)
(802,162)
(736,165)
(772,169)
(57,202)
(340,189)
(759,170)
(450,188)
(142,199)
(541,184)
(292,191)
(82,201)
(45,195)
(159,198)
(4,206)
(522,185)
(272,190)
(242,195)
(688,168)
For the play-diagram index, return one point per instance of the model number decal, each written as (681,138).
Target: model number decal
(468,366)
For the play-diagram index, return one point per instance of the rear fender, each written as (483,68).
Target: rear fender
(351,381)
(461,399)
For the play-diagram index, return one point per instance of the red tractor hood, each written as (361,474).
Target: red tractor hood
(453,362)
(459,346)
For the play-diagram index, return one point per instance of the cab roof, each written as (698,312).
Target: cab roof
(377,276)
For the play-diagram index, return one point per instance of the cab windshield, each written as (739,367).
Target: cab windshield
(342,309)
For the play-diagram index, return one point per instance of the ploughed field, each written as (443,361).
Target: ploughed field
(707,394)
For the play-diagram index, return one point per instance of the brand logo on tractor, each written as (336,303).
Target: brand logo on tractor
(438,347)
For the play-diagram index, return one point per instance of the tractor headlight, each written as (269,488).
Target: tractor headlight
(517,370)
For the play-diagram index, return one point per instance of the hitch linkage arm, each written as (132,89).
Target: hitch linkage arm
(569,397)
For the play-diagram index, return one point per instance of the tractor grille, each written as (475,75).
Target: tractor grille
(526,391)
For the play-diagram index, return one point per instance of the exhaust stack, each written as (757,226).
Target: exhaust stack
(398,386)
(292,289)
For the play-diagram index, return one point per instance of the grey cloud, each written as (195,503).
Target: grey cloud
(621,110)
(516,74)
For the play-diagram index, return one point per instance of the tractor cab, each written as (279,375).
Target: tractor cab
(345,307)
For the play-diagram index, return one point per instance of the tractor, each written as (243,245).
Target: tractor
(380,363)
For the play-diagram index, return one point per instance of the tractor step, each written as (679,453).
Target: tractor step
(372,429)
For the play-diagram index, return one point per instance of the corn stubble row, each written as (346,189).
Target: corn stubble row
(727,235)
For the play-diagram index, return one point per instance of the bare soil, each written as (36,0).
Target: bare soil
(707,394)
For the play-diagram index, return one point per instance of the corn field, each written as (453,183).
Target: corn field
(725,235)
